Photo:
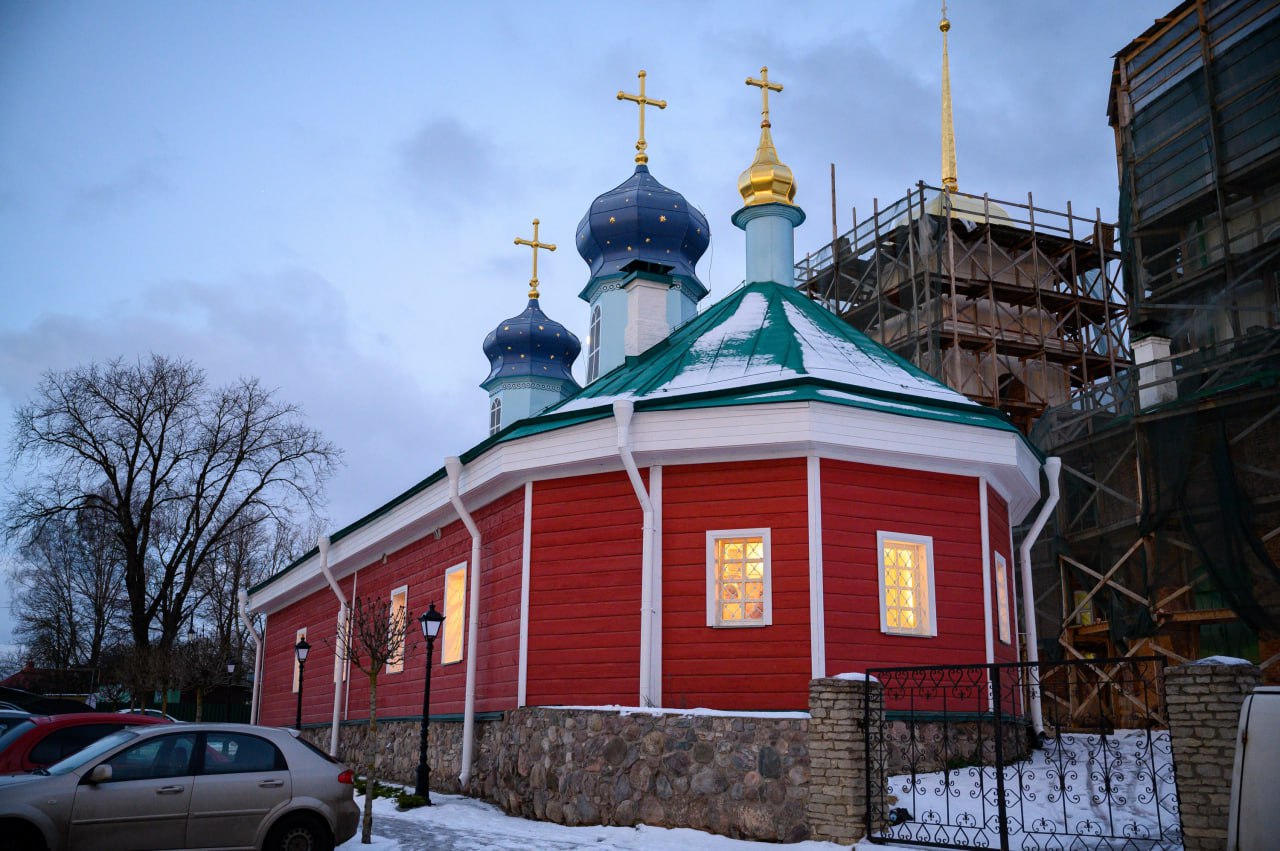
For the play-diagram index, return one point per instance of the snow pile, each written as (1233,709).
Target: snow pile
(856,677)
(1221,660)
(1102,787)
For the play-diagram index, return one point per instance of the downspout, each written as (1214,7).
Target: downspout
(338,660)
(623,410)
(243,598)
(453,466)
(1052,467)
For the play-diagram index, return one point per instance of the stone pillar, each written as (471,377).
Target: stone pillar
(1203,702)
(838,741)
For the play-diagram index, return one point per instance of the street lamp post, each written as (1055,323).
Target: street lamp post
(231,673)
(430,621)
(302,648)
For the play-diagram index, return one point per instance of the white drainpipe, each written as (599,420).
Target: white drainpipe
(243,597)
(1052,467)
(623,409)
(338,661)
(453,466)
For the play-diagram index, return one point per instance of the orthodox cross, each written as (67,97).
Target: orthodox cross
(642,101)
(765,86)
(535,245)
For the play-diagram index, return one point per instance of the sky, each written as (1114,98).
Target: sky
(324,196)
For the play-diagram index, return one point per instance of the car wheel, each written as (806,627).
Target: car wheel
(299,833)
(20,836)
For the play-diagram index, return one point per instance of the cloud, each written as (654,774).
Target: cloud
(446,163)
(137,185)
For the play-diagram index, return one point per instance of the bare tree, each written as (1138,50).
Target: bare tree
(172,467)
(202,667)
(376,634)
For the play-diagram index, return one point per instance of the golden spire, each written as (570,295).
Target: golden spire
(767,180)
(948,131)
(642,101)
(535,245)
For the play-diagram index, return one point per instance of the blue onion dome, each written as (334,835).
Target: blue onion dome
(530,345)
(641,219)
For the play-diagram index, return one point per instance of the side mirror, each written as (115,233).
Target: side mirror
(100,774)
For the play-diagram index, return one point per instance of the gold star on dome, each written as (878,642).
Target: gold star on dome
(612,220)
(662,218)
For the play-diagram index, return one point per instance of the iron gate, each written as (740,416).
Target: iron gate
(958,765)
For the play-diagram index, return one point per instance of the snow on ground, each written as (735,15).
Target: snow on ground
(1061,789)
(455,823)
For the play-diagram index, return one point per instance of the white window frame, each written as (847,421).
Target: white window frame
(297,666)
(451,617)
(929,628)
(495,415)
(593,344)
(395,666)
(713,604)
(1004,619)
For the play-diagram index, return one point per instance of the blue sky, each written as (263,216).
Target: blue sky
(325,195)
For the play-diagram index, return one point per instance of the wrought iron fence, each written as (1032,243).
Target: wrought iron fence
(958,763)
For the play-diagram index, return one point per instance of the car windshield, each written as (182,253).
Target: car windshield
(92,752)
(13,733)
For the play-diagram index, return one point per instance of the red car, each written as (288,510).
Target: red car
(45,739)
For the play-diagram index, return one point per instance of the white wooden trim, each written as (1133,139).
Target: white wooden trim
(655,661)
(930,569)
(987,619)
(687,436)
(525,560)
(713,613)
(817,599)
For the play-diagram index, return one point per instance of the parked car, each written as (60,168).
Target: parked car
(1254,822)
(183,786)
(42,740)
(154,713)
(11,717)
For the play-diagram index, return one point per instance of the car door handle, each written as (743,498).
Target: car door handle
(169,790)
(270,784)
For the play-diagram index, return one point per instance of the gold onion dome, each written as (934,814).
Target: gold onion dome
(767,180)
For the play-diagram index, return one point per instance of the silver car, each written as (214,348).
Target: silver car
(195,786)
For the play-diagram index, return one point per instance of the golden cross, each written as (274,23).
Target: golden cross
(641,156)
(765,87)
(535,245)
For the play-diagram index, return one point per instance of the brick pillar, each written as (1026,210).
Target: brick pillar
(838,739)
(1203,702)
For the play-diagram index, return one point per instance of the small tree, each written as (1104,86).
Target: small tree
(376,634)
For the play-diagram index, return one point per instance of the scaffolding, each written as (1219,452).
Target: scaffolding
(1016,306)
(1168,534)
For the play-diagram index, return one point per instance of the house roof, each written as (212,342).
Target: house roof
(764,343)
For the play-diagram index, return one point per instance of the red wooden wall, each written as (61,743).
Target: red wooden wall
(584,592)
(735,667)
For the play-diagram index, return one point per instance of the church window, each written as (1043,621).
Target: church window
(1002,600)
(455,615)
(593,345)
(297,667)
(399,603)
(495,415)
(738,591)
(906,585)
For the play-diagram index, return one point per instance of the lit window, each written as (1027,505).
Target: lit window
(906,584)
(495,415)
(399,603)
(302,633)
(593,345)
(1002,600)
(455,603)
(738,578)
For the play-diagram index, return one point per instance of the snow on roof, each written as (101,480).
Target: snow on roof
(761,334)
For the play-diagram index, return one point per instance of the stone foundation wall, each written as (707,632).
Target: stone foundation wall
(1203,702)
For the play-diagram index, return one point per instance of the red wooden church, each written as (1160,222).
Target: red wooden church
(739,500)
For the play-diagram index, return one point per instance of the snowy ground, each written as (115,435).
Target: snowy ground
(1079,784)
(456,823)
